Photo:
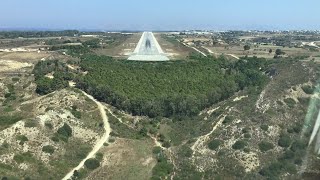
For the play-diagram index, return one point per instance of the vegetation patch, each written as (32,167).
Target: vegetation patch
(6,121)
(264,127)
(48,149)
(64,132)
(167,88)
(265,146)
(75,112)
(284,140)
(22,139)
(92,163)
(214,144)
(30,123)
(163,168)
(308,89)
(290,102)
(46,85)
(239,144)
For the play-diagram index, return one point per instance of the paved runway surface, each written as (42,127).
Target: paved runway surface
(148,49)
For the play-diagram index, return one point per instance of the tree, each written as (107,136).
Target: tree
(246,47)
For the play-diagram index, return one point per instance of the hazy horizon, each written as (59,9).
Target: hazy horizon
(160,15)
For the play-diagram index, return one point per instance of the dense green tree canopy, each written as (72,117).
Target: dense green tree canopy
(167,88)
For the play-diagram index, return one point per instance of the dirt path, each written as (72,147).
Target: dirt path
(100,143)
(155,140)
(216,54)
(195,49)
(202,139)
(234,56)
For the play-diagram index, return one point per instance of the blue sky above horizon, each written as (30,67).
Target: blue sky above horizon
(160,14)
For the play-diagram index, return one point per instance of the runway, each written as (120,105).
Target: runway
(148,49)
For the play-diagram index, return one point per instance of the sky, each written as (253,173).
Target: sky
(160,14)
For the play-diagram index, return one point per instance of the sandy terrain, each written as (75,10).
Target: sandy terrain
(10,65)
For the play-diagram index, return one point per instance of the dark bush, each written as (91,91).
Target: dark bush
(65,131)
(290,102)
(214,144)
(307,89)
(18,158)
(92,164)
(31,123)
(48,149)
(247,135)
(156,150)
(265,146)
(22,139)
(284,141)
(239,144)
(298,145)
(227,120)
(48,125)
(264,127)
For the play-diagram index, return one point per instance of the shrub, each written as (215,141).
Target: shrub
(185,151)
(166,144)
(298,161)
(156,150)
(280,103)
(297,128)
(298,145)
(6,121)
(290,102)
(247,150)
(265,146)
(239,145)
(18,158)
(247,135)
(55,139)
(48,125)
(99,156)
(304,100)
(307,89)
(22,139)
(273,170)
(15,79)
(227,119)
(214,144)
(92,163)
(288,155)
(75,112)
(162,168)
(30,123)
(48,149)
(264,127)
(246,130)
(284,141)
(65,131)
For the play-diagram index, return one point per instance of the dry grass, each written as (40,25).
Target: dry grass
(126,159)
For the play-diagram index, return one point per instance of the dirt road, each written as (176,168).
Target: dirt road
(100,143)
(195,49)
